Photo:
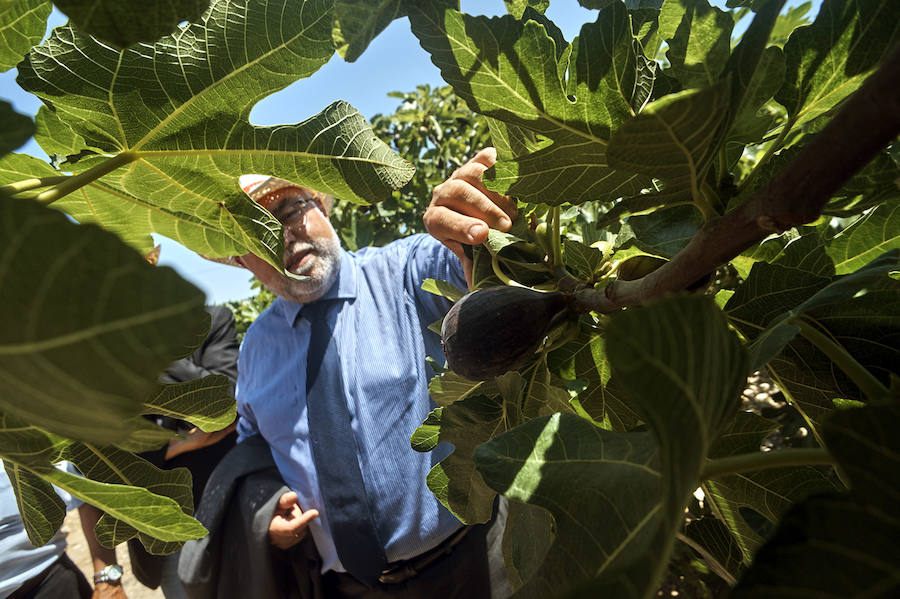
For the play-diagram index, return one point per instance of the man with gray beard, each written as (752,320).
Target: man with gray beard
(333,377)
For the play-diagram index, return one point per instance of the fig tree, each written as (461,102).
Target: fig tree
(494,330)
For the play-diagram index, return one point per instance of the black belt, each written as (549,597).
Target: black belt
(403,570)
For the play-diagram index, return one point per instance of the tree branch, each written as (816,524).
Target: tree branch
(868,121)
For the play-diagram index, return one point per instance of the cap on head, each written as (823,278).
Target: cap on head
(261,187)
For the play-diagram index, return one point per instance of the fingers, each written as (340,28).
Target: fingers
(289,523)
(462,209)
(287,501)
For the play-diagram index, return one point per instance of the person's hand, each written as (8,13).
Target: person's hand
(289,523)
(196,439)
(104,590)
(462,209)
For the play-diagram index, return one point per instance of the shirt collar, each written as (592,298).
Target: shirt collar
(343,288)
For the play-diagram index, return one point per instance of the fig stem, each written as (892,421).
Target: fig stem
(78,181)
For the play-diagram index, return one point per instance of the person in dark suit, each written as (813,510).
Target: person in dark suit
(195,450)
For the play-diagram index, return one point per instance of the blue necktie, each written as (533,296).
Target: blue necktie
(335,451)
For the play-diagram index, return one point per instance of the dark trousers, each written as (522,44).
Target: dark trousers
(62,580)
(474,569)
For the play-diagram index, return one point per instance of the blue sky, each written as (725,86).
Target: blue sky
(393,62)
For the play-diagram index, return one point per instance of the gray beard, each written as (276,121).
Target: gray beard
(323,273)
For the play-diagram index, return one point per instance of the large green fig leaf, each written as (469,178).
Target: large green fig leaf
(75,363)
(514,71)
(158,516)
(828,60)
(124,23)
(22,25)
(602,489)
(206,403)
(175,116)
(97,202)
(841,545)
(41,508)
(769,492)
(16,128)
(111,465)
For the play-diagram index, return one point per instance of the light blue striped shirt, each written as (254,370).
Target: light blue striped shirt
(383,341)
(19,559)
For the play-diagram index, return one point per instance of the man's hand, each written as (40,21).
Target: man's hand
(289,523)
(197,439)
(104,590)
(462,209)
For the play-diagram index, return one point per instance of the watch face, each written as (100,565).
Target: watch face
(115,572)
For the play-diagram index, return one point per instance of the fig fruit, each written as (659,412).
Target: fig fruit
(494,330)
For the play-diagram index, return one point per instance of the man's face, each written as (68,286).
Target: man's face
(311,248)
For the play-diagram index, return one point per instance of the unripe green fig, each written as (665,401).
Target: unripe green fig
(494,330)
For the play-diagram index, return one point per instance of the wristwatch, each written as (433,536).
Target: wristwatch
(111,574)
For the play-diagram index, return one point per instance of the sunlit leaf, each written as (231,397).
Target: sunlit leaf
(584,359)
(443,289)
(185,128)
(868,236)
(22,25)
(157,516)
(110,465)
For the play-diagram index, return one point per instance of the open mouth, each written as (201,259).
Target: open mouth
(298,261)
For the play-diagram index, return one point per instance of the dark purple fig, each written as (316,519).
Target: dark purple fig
(494,330)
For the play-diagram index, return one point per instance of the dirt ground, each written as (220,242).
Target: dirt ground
(78,551)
